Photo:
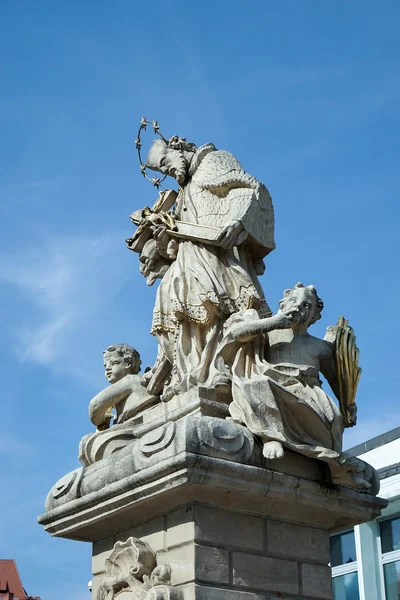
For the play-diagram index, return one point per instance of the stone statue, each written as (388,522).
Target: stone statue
(153,265)
(209,280)
(277,393)
(126,394)
(230,434)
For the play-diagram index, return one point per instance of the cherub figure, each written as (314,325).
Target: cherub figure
(277,393)
(126,394)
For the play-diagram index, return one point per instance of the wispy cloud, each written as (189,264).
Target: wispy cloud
(63,283)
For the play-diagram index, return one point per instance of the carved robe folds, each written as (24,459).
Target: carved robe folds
(284,402)
(206,284)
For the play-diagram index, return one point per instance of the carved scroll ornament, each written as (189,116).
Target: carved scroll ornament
(133,574)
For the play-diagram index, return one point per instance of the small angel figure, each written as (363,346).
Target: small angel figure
(127,394)
(277,392)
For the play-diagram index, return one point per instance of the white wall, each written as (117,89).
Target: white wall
(383,456)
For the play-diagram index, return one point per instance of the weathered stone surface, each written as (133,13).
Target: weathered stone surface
(207,436)
(265,573)
(316,581)
(182,563)
(188,528)
(133,573)
(201,592)
(193,562)
(152,532)
(94,506)
(228,529)
(300,543)
(212,564)
(180,526)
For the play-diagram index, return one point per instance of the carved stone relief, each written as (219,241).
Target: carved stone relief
(133,574)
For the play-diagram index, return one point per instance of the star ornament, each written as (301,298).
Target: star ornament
(156,181)
(143,123)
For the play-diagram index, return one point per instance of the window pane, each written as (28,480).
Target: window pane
(392,580)
(343,549)
(345,587)
(390,534)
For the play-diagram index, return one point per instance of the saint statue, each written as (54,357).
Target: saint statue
(215,270)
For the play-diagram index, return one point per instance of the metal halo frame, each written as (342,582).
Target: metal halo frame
(156,181)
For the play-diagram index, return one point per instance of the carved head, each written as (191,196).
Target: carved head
(303,303)
(172,158)
(120,360)
(152,265)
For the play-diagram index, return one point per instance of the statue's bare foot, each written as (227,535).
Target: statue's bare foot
(273,450)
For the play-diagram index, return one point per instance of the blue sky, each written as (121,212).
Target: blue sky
(305,93)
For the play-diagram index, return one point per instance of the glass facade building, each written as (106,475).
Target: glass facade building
(365,560)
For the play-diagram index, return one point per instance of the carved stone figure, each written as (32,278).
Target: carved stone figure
(230,434)
(277,393)
(122,365)
(153,265)
(212,277)
(126,393)
(132,571)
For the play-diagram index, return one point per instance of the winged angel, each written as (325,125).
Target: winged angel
(275,366)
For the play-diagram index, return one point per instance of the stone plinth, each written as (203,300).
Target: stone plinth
(230,524)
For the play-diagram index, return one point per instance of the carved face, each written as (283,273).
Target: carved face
(301,303)
(148,258)
(152,265)
(167,161)
(116,367)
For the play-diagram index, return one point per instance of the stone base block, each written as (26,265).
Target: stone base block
(194,512)
(230,554)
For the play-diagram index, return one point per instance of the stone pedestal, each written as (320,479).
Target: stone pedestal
(230,525)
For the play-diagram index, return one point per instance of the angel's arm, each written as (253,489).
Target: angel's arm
(248,330)
(107,398)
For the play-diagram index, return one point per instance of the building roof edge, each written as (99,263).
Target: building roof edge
(375,442)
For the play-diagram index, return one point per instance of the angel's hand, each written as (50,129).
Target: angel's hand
(145,378)
(352,409)
(106,423)
(283,320)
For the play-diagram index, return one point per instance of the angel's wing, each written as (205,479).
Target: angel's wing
(348,372)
